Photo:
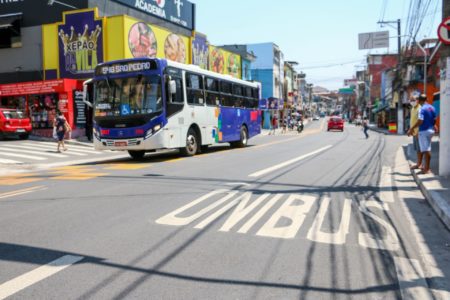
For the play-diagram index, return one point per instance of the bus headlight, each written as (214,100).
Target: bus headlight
(152,131)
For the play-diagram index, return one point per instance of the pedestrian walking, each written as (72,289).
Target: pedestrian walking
(365,125)
(426,124)
(284,124)
(414,116)
(60,128)
(274,124)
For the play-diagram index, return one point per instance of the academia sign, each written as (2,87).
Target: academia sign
(179,12)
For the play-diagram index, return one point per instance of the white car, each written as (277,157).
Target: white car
(316,118)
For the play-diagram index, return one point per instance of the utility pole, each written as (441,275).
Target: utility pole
(444,144)
(400,128)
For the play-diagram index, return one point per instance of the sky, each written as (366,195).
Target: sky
(321,35)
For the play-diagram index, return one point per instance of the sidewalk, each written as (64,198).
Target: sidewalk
(435,188)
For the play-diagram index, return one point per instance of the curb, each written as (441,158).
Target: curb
(437,202)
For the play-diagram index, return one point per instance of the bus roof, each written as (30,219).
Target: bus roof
(191,68)
(197,69)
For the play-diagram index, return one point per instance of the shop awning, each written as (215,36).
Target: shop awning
(7,20)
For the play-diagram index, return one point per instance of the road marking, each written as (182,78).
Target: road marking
(22,156)
(411,279)
(15,149)
(391,242)
(19,283)
(126,166)
(338,238)
(386,192)
(287,163)
(294,211)
(22,191)
(9,161)
(76,173)
(19,179)
(53,145)
(71,151)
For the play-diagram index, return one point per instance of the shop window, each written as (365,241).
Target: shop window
(42,110)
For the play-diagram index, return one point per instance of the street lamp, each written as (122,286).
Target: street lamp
(50,3)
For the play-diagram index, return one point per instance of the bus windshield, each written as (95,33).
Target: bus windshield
(128,96)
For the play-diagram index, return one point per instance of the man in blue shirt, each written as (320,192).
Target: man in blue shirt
(426,124)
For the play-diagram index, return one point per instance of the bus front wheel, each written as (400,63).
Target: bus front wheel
(243,140)
(191,147)
(136,154)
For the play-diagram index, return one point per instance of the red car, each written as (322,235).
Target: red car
(14,123)
(336,123)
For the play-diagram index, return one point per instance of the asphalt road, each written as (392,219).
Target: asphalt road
(318,215)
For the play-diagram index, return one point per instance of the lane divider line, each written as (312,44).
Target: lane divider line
(286,163)
(19,283)
(23,191)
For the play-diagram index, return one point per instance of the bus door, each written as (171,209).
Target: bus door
(195,96)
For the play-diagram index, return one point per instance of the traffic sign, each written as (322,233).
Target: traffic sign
(372,40)
(444,31)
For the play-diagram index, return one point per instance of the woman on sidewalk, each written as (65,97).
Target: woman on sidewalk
(61,126)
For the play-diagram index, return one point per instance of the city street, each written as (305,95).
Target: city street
(315,215)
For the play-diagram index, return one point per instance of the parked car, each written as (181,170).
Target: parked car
(336,123)
(14,123)
(316,118)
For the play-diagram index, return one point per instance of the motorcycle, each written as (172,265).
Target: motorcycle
(299,126)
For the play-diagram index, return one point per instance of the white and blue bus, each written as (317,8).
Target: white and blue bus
(146,104)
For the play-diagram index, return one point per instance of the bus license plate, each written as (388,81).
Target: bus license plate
(120,144)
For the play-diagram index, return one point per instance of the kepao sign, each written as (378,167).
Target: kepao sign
(80,40)
(180,12)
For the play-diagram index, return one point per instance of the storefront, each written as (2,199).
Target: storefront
(40,100)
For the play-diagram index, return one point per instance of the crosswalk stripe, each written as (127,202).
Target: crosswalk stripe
(9,161)
(71,152)
(15,149)
(23,156)
(70,147)
(84,148)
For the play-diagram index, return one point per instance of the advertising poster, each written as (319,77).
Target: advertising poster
(80,41)
(146,40)
(224,62)
(200,52)
(216,60)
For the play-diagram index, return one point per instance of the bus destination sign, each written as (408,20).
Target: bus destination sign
(126,67)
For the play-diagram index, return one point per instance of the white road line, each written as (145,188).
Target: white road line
(71,152)
(411,279)
(287,163)
(19,283)
(22,156)
(23,191)
(386,192)
(9,161)
(83,148)
(15,149)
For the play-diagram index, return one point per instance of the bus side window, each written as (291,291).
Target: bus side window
(212,92)
(194,89)
(226,98)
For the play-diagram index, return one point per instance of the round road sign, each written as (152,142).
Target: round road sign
(444,31)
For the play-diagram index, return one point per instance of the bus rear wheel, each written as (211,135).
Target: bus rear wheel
(191,147)
(243,141)
(136,154)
